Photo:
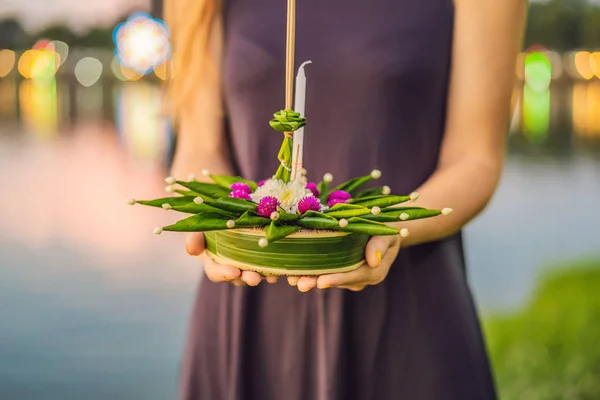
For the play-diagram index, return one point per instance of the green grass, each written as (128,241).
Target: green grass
(551,349)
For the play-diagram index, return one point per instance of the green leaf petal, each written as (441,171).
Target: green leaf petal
(370,229)
(199,223)
(275,232)
(286,216)
(358,220)
(206,189)
(380,201)
(287,121)
(172,201)
(234,205)
(184,204)
(393,214)
(316,214)
(226,181)
(190,193)
(342,210)
(324,191)
(285,154)
(319,223)
(251,219)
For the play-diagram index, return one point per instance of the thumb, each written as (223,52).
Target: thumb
(376,249)
(194,243)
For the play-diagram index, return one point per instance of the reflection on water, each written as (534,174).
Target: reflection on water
(98,307)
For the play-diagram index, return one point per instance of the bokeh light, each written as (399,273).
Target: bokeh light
(7,62)
(39,107)
(39,64)
(595,63)
(61,48)
(129,73)
(586,108)
(88,70)
(538,71)
(583,64)
(164,70)
(142,43)
(536,114)
(115,67)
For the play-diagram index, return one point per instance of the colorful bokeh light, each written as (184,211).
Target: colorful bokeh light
(538,71)
(142,43)
(39,64)
(7,62)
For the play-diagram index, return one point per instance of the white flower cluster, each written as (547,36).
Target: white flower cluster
(289,194)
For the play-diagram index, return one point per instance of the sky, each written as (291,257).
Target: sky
(78,14)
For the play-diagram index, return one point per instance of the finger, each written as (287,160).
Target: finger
(293,280)
(376,249)
(359,275)
(354,288)
(251,278)
(272,279)
(194,243)
(218,272)
(307,283)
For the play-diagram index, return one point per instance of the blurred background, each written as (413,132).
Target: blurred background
(93,306)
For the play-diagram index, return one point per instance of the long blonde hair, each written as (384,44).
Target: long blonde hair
(197,42)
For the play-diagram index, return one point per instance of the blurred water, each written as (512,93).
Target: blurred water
(93,306)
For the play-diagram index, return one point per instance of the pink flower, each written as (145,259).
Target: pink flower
(309,204)
(240,194)
(241,186)
(339,196)
(266,206)
(261,183)
(313,188)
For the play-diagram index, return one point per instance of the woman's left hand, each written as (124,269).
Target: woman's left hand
(380,253)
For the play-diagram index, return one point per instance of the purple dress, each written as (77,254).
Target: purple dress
(376,98)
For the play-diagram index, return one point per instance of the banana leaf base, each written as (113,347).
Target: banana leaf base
(307,252)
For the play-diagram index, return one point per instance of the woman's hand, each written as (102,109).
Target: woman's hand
(195,246)
(380,253)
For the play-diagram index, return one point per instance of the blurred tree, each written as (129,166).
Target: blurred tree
(12,35)
(563,25)
(590,29)
(96,37)
(57,32)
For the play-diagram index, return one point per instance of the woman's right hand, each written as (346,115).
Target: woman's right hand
(195,246)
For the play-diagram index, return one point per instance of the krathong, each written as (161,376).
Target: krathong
(285,224)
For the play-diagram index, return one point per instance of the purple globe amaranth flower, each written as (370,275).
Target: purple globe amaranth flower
(261,183)
(309,204)
(339,196)
(240,194)
(332,202)
(241,186)
(313,188)
(266,206)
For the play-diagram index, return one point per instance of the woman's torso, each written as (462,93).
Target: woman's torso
(376,88)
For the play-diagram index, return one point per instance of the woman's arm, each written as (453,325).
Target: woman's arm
(487,39)
(201,143)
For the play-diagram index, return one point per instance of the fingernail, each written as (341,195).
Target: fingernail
(229,278)
(187,250)
(325,287)
(378,255)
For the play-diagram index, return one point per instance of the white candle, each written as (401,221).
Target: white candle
(299,107)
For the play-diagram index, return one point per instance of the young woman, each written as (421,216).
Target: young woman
(419,89)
